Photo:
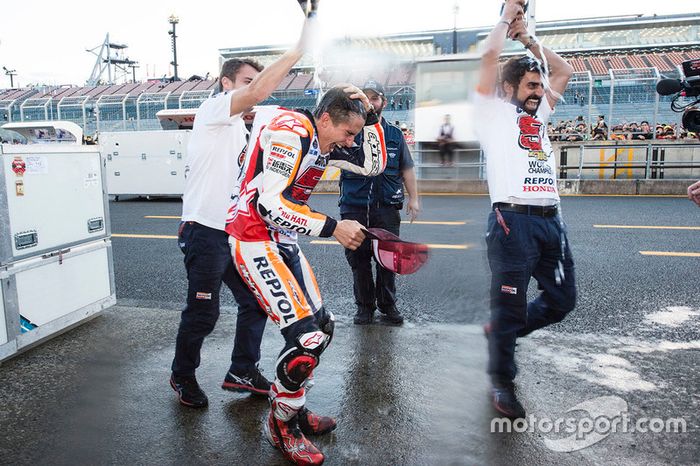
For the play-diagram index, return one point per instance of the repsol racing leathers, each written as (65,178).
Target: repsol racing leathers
(283,165)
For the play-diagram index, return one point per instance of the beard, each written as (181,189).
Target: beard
(525,104)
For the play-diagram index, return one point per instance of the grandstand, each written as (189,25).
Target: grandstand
(617,62)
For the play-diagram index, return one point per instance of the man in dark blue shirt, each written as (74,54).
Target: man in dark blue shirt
(377,202)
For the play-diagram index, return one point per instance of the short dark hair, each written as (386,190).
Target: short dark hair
(232,66)
(515,68)
(338,104)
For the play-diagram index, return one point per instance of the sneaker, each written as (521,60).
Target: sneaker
(253,382)
(505,402)
(313,424)
(363,316)
(188,391)
(391,316)
(288,438)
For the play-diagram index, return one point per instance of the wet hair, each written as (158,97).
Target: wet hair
(515,68)
(232,66)
(339,106)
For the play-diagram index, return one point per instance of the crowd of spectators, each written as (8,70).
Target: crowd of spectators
(578,130)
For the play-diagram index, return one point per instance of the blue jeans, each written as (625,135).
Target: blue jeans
(532,248)
(208,262)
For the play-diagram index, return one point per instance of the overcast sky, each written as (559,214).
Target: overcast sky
(45,42)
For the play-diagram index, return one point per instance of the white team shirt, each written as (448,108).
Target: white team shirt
(214,157)
(520,162)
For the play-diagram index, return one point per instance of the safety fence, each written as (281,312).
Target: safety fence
(591,160)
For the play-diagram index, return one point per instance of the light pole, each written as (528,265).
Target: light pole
(11,74)
(454,30)
(173,20)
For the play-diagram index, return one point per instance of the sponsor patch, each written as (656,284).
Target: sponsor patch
(279,166)
(202,295)
(282,151)
(509,289)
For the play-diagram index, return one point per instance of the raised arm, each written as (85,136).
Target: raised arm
(559,69)
(367,159)
(265,83)
(488,73)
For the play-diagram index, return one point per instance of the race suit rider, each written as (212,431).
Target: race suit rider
(287,157)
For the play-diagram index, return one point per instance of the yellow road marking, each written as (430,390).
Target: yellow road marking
(431,246)
(647,227)
(125,235)
(425,222)
(670,254)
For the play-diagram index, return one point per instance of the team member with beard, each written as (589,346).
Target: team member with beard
(526,236)
(377,202)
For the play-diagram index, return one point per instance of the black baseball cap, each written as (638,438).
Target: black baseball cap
(372,85)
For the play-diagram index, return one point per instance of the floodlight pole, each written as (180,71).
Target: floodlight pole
(173,20)
(455,9)
(11,74)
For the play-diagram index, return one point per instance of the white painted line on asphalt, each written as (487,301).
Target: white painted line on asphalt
(646,227)
(670,253)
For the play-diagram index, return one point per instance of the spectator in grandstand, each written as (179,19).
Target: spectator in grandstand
(600,132)
(445,142)
(572,134)
(644,132)
(377,202)
(694,192)
(526,235)
(215,153)
(667,132)
(618,133)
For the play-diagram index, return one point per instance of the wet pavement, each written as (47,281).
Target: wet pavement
(411,395)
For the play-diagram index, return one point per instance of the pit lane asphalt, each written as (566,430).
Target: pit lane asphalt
(415,395)
(618,286)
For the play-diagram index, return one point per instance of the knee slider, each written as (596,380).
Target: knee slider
(296,364)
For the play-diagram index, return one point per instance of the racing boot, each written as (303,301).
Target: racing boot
(288,438)
(313,424)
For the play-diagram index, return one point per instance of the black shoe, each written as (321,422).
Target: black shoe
(505,402)
(253,381)
(363,316)
(391,316)
(188,391)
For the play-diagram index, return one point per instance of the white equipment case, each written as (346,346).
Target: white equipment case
(55,251)
(145,163)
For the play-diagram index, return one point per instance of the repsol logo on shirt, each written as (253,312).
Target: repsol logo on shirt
(535,185)
(275,288)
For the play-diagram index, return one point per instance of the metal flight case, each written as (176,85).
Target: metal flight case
(56,266)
